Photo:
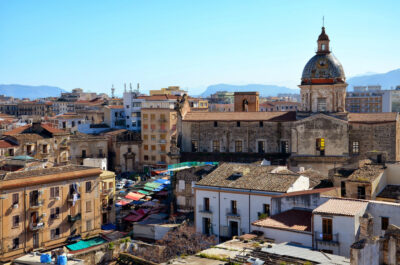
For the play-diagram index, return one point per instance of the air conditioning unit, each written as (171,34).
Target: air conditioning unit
(44,214)
(57,198)
(40,192)
(15,206)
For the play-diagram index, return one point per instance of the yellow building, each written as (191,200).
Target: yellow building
(171,90)
(107,194)
(41,209)
(159,119)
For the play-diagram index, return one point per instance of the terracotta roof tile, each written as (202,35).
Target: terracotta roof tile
(241,116)
(17,130)
(346,207)
(48,127)
(292,220)
(251,177)
(367,173)
(372,117)
(6,144)
(115,107)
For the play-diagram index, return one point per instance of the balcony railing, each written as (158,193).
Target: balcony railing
(162,141)
(36,205)
(71,197)
(233,214)
(36,226)
(205,210)
(328,238)
(106,192)
(74,218)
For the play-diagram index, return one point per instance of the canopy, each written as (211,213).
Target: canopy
(144,192)
(163,181)
(134,196)
(123,202)
(86,244)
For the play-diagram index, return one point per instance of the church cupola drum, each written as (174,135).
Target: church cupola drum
(323,82)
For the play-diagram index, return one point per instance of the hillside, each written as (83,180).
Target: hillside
(386,80)
(32,92)
(264,90)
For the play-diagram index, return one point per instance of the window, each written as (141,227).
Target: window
(44,149)
(15,198)
(233,207)
(152,117)
(384,223)
(88,206)
(145,116)
(266,209)
(343,188)
(153,148)
(153,158)
(153,137)
(206,204)
(361,192)
(320,145)
(15,221)
(215,124)
(162,136)
(83,153)
(55,213)
(285,147)
(146,158)
(261,146)
(15,243)
(321,104)
(34,198)
(327,229)
(145,137)
(215,146)
(356,147)
(88,225)
(163,148)
(55,233)
(195,145)
(72,124)
(145,126)
(54,192)
(261,124)
(206,226)
(146,147)
(238,146)
(238,124)
(323,47)
(88,185)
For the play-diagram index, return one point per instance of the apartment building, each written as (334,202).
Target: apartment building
(67,121)
(42,208)
(171,90)
(159,121)
(40,141)
(87,146)
(107,195)
(133,106)
(114,116)
(234,195)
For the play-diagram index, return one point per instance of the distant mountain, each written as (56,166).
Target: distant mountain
(32,92)
(386,80)
(264,90)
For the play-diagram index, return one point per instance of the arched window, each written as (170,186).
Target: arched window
(245,105)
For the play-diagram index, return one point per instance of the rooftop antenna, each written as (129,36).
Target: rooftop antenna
(137,88)
(125,87)
(112,91)
(130,87)
(323,21)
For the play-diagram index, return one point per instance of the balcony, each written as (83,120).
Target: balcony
(162,130)
(162,120)
(162,141)
(36,226)
(72,199)
(328,239)
(36,205)
(233,215)
(162,152)
(74,218)
(106,192)
(204,210)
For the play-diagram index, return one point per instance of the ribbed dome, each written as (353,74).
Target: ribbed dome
(323,69)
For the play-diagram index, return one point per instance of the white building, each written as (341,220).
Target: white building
(234,195)
(132,106)
(96,162)
(114,116)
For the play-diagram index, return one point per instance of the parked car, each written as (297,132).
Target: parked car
(119,186)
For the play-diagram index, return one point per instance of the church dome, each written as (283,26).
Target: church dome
(323,68)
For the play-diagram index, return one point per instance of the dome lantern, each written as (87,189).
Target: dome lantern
(323,42)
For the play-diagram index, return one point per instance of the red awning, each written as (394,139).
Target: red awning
(134,196)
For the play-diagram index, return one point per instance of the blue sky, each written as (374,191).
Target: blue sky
(94,44)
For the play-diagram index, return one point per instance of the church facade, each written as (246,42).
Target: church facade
(322,135)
